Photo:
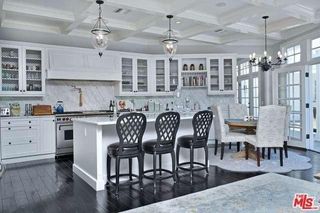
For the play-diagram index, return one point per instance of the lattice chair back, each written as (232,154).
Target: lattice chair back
(130,129)
(167,125)
(201,122)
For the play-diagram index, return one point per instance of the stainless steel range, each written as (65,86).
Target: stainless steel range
(64,129)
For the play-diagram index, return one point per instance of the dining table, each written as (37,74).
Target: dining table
(247,127)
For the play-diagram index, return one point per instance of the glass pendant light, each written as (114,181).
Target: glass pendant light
(170,43)
(100,31)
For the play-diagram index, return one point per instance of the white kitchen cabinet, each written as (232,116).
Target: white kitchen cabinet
(27,137)
(78,64)
(221,76)
(47,135)
(22,71)
(135,73)
(166,76)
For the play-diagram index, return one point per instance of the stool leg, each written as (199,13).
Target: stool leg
(154,171)
(258,156)
(216,147)
(285,146)
(222,151)
(108,169)
(263,152)
(178,152)
(247,150)
(191,163)
(269,153)
(230,145)
(117,175)
(281,156)
(140,161)
(130,168)
(160,166)
(206,158)
(173,161)
(275,150)
(238,146)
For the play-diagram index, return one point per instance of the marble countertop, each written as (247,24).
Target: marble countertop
(104,120)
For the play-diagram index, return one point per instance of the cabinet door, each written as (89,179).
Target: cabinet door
(34,79)
(11,70)
(214,75)
(47,135)
(161,76)
(142,76)
(127,75)
(227,74)
(173,75)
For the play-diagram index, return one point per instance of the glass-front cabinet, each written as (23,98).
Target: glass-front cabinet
(22,71)
(135,76)
(173,75)
(167,76)
(221,76)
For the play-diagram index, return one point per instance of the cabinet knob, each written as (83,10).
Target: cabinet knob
(24,90)
(29,122)
(9,143)
(9,122)
(20,90)
(9,128)
(30,141)
(29,127)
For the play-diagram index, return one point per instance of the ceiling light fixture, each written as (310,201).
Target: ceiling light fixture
(100,32)
(170,43)
(178,22)
(265,62)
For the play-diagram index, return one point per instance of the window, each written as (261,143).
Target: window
(293,54)
(255,68)
(244,68)
(289,94)
(244,93)
(315,47)
(255,96)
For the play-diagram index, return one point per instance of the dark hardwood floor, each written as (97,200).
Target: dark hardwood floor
(50,186)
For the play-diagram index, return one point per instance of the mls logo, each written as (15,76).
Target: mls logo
(304,202)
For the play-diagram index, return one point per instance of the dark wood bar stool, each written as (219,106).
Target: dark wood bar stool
(166,126)
(201,123)
(130,129)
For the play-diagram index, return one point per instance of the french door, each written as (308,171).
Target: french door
(248,93)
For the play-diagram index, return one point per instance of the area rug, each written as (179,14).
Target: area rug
(293,162)
(263,193)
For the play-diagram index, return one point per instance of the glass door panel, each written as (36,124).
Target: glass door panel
(315,107)
(255,97)
(142,73)
(127,74)
(214,75)
(10,70)
(33,70)
(160,76)
(173,69)
(244,93)
(227,74)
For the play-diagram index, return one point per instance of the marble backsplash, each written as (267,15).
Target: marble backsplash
(97,96)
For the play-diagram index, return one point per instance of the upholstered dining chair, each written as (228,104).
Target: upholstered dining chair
(237,111)
(286,131)
(270,131)
(223,134)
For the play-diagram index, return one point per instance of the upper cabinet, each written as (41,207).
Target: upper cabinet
(221,76)
(79,64)
(135,74)
(22,71)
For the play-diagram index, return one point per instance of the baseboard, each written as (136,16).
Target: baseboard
(94,183)
(28,158)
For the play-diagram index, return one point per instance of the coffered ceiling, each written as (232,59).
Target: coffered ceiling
(143,22)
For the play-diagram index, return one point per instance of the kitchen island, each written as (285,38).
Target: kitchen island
(93,135)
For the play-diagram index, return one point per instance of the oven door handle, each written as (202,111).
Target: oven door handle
(62,125)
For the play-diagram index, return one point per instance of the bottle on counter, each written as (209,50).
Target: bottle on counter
(110,105)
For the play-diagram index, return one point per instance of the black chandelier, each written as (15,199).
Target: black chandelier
(265,62)
(100,32)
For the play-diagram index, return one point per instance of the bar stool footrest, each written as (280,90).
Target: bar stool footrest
(158,170)
(180,166)
(123,183)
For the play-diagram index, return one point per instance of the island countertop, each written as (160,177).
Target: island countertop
(105,120)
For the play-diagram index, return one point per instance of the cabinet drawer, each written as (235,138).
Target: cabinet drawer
(19,132)
(19,122)
(19,148)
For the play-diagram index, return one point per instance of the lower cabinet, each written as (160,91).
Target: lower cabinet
(24,137)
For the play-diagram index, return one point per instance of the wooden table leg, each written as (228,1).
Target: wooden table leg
(242,154)
(317,175)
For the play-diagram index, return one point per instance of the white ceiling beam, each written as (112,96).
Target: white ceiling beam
(284,24)
(199,29)
(145,6)
(79,16)
(2,13)
(30,27)
(199,17)
(240,15)
(206,39)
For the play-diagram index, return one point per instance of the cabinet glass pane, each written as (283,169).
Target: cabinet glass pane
(33,70)
(214,74)
(227,67)
(142,73)
(10,69)
(160,76)
(127,74)
(173,75)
